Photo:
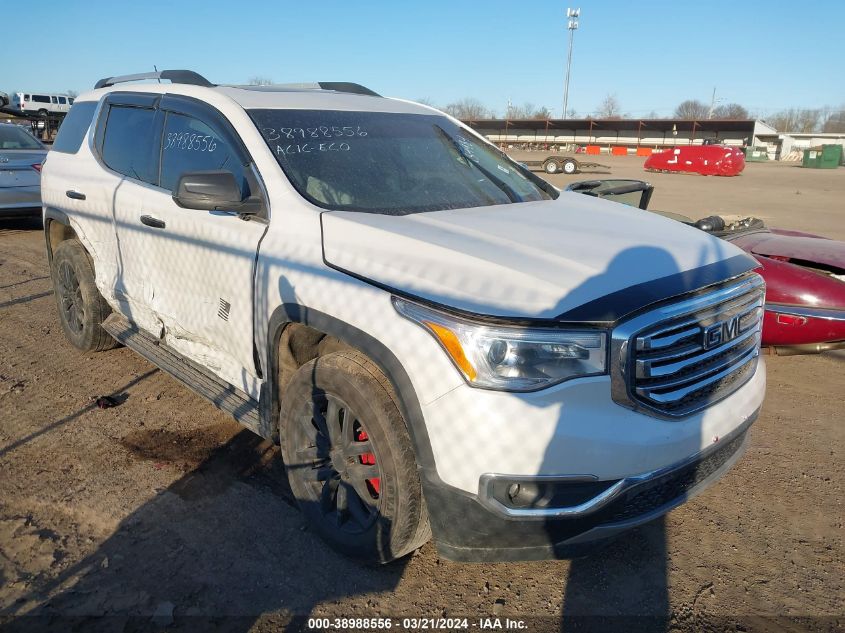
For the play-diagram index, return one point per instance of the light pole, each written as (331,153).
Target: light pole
(573,15)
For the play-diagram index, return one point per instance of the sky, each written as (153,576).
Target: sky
(765,55)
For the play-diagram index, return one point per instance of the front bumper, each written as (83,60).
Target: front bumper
(467,529)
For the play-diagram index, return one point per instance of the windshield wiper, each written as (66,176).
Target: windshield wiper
(512,195)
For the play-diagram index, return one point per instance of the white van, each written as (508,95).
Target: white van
(41,103)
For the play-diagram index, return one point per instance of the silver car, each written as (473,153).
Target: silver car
(21,155)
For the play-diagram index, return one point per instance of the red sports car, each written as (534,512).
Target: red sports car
(804,273)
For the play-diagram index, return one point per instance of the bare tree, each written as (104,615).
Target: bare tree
(259,80)
(542,113)
(691,109)
(835,121)
(801,120)
(426,101)
(730,111)
(468,109)
(610,108)
(527,111)
(73,94)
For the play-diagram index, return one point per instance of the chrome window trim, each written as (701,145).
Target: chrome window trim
(827,314)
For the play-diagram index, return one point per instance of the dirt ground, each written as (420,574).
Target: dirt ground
(784,195)
(162,513)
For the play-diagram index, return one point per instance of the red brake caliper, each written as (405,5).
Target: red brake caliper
(368,459)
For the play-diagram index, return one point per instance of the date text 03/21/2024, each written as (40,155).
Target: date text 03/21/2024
(417,624)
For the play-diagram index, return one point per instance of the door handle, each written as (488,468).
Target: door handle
(70,193)
(153,222)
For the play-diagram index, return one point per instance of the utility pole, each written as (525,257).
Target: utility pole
(712,104)
(572,15)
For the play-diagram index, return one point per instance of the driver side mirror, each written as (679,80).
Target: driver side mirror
(213,191)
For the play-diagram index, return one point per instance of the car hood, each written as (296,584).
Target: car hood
(531,260)
(802,248)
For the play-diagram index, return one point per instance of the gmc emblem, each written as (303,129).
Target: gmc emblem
(722,332)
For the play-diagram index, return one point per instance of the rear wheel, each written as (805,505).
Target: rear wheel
(82,308)
(551,167)
(349,459)
(570,166)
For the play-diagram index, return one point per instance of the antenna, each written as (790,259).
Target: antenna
(155,68)
(572,15)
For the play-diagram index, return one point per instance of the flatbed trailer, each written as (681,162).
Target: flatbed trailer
(562,164)
(43,126)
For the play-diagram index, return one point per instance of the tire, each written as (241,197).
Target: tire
(551,167)
(82,308)
(42,112)
(570,166)
(349,459)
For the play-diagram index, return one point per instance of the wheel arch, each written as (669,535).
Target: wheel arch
(57,229)
(289,314)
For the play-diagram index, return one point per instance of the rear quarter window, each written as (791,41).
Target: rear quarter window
(75,127)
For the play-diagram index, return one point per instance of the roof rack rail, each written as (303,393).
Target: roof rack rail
(175,76)
(336,86)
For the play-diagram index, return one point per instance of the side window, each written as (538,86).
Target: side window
(41,98)
(74,127)
(188,144)
(63,100)
(54,100)
(129,146)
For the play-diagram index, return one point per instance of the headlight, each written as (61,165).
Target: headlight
(511,358)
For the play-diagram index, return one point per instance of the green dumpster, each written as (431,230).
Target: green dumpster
(756,154)
(824,157)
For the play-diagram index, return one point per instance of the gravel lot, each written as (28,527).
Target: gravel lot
(161,512)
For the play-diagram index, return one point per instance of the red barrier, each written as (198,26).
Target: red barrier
(644,151)
(707,160)
(619,151)
(593,149)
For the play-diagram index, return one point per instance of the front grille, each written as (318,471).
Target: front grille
(685,356)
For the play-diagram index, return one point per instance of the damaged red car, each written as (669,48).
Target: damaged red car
(707,160)
(804,273)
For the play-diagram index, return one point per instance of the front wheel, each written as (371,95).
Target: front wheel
(570,166)
(551,167)
(349,459)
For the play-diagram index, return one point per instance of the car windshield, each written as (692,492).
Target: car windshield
(390,163)
(14,137)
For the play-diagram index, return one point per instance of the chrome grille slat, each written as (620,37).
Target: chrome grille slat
(684,356)
(647,369)
(678,394)
(659,342)
(702,375)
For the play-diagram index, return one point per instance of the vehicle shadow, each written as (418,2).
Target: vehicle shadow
(14,225)
(217,549)
(622,584)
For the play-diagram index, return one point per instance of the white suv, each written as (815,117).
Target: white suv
(442,342)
